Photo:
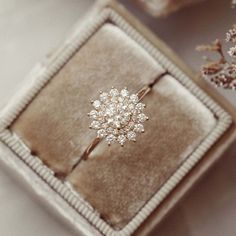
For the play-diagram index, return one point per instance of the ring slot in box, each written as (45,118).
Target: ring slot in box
(116,189)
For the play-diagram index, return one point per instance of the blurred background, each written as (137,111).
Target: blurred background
(31,29)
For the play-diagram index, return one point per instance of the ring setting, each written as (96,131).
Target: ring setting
(117,116)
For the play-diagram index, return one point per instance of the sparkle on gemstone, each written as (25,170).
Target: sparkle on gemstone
(95,124)
(134,98)
(140,106)
(110,138)
(114,92)
(131,135)
(96,104)
(124,93)
(138,128)
(121,139)
(93,114)
(102,133)
(117,116)
(142,117)
(103,96)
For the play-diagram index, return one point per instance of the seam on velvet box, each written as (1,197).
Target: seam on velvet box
(43,74)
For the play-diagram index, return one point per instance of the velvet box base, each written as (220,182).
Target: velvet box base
(117,188)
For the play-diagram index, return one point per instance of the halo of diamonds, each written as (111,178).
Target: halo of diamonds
(117,116)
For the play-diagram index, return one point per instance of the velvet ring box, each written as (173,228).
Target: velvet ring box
(118,190)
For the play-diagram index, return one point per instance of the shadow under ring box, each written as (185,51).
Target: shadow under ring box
(118,190)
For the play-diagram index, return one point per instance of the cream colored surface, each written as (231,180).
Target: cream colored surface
(29,29)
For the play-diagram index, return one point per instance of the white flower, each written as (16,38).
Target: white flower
(232,51)
(231,35)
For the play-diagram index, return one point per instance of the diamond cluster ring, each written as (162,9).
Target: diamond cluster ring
(117,116)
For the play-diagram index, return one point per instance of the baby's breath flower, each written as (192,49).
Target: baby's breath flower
(231,35)
(221,72)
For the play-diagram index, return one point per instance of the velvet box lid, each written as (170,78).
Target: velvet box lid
(118,191)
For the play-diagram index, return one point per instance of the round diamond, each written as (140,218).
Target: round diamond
(134,98)
(131,125)
(95,125)
(96,104)
(140,106)
(121,139)
(124,93)
(131,106)
(115,132)
(93,114)
(105,126)
(114,92)
(111,110)
(142,117)
(103,96)
(138,128)
(131,135)
(124,107)
(125,118)
(117,124)
(101,133)
(110,130)
(110,138)
(114,99)
(100,116)
(120,99)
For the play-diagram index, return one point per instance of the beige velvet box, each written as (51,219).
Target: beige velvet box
(118,190)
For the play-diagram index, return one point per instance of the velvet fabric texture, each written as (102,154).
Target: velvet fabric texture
(119,181)
(116,181)
(55,124)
